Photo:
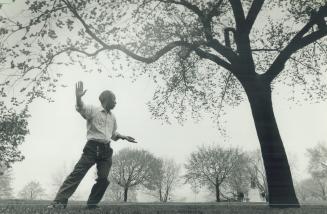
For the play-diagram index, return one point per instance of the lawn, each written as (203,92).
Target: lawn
(39,207)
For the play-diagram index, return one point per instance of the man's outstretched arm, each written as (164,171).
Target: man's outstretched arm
(118,136)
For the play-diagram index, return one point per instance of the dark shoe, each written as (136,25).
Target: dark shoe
(92,207)
(57,205)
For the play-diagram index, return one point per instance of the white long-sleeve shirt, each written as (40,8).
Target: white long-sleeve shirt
(101,125)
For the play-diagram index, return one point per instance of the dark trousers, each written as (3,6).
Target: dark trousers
(93,153)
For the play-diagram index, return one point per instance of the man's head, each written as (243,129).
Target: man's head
(107,99)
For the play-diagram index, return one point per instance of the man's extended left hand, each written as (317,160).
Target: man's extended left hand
(129,139)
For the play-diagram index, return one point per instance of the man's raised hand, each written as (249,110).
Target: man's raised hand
(79,89)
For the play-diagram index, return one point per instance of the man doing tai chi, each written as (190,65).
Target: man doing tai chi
(101,129)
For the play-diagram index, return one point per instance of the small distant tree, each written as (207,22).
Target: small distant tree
(195,187)
(133,168)
(304,189)
(32,191)
(115,193)
(318,159)
(211,166)
(13,129)
(238,182)
(6,190)
(167,180)
(314,188)
(319,187)
(257,173)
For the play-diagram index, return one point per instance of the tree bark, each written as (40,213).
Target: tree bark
(217,193)
(125,194)
(280,185)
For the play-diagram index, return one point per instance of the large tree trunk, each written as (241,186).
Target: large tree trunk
(125,194)
(280,185)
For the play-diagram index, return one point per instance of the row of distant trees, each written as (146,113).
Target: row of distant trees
(31,191)
(223,171)
(227,173)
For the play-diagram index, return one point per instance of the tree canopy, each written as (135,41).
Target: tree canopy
(133,168)
(184,41)
(213,167)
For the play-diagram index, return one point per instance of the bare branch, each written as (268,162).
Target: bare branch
(266,49)
(220,106)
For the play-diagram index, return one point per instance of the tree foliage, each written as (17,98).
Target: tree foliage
(184,41)
(6,190)
(13,129)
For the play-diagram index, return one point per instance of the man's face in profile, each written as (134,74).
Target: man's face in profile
(109,102)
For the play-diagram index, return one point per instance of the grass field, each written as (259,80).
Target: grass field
(39,207)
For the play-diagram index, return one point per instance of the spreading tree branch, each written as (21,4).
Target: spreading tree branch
(122,48)
(300,40)
(242,37)
(203,54)
(206,20)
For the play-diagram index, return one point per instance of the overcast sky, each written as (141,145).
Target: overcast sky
(58,132)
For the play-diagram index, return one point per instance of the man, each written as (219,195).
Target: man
(101,129)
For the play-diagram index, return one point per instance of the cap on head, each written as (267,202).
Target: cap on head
(106,95)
